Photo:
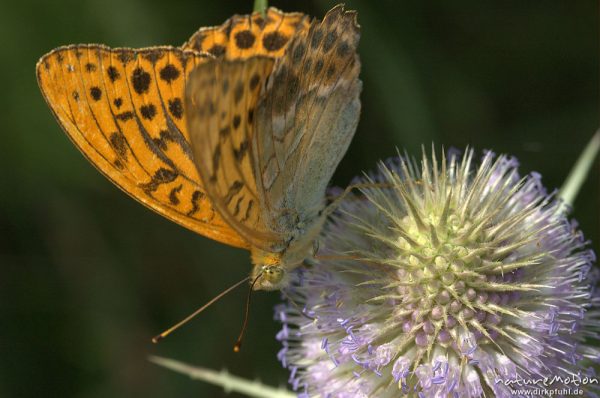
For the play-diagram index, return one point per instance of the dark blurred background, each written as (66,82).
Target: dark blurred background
(88,275)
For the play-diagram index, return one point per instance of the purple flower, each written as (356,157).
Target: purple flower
(444,279)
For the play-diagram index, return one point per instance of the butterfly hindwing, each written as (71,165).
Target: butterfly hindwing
(307,117)
(220,102)
(244,36)
(123,109)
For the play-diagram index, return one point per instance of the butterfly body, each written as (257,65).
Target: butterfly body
(234,136)
(274,266)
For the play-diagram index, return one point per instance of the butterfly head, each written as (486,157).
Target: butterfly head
(270,269)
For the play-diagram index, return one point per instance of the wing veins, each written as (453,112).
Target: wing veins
(120,130)
(320,114)
(180,139)
(320,117)
(237,166)
(143,132)
(83,85)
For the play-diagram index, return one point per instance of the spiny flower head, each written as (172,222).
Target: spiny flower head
(443,280)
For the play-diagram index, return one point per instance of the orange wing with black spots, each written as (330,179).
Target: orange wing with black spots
(123,109)
(243,36)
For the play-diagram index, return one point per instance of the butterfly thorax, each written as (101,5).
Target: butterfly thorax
(273,267)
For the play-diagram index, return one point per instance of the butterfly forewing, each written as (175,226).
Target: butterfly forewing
(308,115)
(221,98)
(123,109)
(234,136)
(244,36)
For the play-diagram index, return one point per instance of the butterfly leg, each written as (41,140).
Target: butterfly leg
(335,203)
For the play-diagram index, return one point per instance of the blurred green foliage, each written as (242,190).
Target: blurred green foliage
(89,275)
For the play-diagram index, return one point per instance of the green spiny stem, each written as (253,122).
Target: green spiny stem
(568,192)
(223,379)
(260,6)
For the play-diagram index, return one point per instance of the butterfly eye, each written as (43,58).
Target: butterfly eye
(273,273)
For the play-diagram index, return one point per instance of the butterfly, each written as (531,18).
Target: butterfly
(235,135)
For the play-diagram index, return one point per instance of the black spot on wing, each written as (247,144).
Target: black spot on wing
(176,108)
(169,73)
(124,116)
(318,66)
(215,163)
(293,85)
(236,210)
(236,121)
(164,138)
(330,71)
(141,80)
(148,111)
(298,53)
(95,93)
(315,41)
(285,86)
(225,85)
(280,76)
(126,56)
(234,189)
(307,64)
(113,73)
(196,196)
(118,164)
(274,41)
(211,107)
(248,210)
(161,176)
(224,131)
(238,92)
(119,143)
(217,50)
(244,39)
(239,153)
(343,49)
(173,199)
(254,80)
(330,39)
(260,21)
(153,55)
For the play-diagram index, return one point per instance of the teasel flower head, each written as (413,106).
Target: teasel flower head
(444,279)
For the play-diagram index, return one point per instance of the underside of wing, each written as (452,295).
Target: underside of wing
(220,102)
(243,36)
(123,109)
(307,117)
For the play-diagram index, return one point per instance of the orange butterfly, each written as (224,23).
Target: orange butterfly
(235,135)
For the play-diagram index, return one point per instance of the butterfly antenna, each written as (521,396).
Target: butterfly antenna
(167,332)
(238,343)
